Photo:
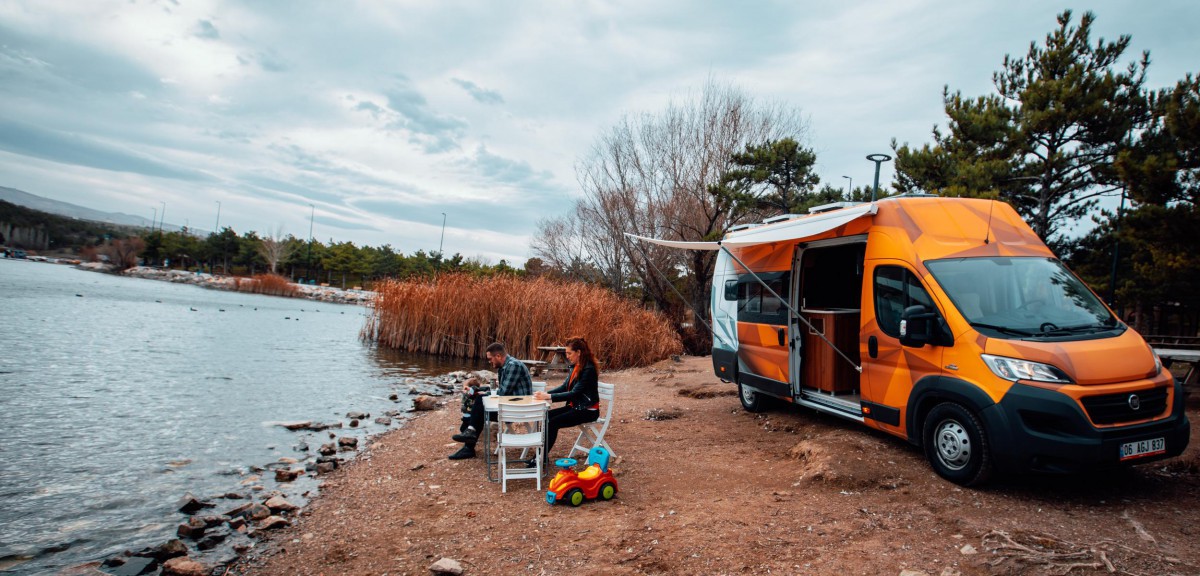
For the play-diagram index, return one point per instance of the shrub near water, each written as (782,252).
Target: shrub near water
(459,315)
(269,284)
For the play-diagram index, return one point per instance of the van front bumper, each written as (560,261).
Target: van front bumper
(1038,430)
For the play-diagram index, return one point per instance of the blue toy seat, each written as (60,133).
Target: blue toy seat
(598,455)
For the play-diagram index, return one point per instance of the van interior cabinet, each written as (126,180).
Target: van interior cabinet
(822,367)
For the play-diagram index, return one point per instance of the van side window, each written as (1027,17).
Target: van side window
(896,289)
(757,304)
(731,289)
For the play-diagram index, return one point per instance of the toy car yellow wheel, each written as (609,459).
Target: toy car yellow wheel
(574,497)
(607,491)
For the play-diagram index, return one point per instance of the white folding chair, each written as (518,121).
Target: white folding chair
(534,436)
(592,433)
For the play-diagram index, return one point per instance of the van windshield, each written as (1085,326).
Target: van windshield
(1021,297)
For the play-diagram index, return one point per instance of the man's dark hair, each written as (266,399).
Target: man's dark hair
(495,348)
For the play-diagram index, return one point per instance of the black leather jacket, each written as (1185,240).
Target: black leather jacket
(584,394)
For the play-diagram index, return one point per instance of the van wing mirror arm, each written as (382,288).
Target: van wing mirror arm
(787,303)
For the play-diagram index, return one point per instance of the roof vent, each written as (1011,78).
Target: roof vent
(741,227)
(832,206)
(781,218)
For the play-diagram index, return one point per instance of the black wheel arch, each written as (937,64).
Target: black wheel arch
(933,390)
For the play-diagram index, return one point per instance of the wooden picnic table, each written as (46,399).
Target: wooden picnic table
(1191,358)
(555,357)
(535,366)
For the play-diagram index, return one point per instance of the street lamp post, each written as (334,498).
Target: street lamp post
(443,235)
(217,224)
(440,243)
(308,263)
(849,187)
(162,215)
(877,159)
(154,221)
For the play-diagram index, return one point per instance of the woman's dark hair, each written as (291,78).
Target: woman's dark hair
(585,353)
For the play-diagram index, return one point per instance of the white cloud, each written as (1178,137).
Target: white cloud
(384,115)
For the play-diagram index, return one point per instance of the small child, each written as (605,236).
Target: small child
(472,389)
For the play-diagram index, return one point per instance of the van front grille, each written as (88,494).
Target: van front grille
(1118,408)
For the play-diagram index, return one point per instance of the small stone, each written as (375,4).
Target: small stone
(258,512)
(913,573)
(190,504)
(968,550)
(447,566)
(325,467)
(302,425)
(184,566)
(327,449)
(237,523)
(424,403)
(348,443)
(279,503)
(393,397)
(272,522)
(384,420)
(288,460)
(136,566)
(358,415)
(288,475)
(354,423)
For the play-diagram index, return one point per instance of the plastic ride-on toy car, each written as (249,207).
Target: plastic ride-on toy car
(595,481)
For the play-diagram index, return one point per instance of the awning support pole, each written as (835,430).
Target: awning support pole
(788,304)
(695,312)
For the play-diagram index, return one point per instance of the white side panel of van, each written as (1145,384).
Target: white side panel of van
(724,312)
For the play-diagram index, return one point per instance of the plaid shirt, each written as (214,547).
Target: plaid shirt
(514,378)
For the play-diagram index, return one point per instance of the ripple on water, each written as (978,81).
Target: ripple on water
(85,400)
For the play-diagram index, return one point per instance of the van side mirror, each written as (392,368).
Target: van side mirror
(917,326)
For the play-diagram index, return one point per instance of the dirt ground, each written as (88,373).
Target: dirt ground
(708,488)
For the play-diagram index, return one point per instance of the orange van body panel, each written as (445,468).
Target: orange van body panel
(758,347)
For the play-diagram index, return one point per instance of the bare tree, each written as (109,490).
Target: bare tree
(274,248)
(653,175)
(123,253)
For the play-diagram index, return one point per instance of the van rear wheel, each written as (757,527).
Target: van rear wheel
(956,445)
(752,401)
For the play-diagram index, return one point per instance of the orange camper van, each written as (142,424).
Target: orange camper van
(946,322)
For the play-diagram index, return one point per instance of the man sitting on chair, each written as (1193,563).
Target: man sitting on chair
(514,380)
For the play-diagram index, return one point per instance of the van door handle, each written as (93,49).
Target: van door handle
(782,333)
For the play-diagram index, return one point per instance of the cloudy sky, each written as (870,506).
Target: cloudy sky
(375,118)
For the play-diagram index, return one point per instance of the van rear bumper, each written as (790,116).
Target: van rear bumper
(1037,430)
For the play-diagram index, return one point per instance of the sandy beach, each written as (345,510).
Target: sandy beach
(708,488)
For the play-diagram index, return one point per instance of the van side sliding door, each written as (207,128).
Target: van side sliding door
(763,334)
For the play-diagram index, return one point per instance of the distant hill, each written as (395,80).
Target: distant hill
(22,198)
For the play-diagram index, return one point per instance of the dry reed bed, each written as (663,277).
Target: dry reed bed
(459,315)
(269,284)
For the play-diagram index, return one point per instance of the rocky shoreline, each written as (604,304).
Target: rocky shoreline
(207,541)
(230,283)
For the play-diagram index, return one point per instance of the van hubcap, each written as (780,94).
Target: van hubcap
(953,445)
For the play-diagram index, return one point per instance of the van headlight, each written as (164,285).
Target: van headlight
(1014,369)
(1158,365)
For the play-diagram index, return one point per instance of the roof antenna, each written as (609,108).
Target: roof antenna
(987,233)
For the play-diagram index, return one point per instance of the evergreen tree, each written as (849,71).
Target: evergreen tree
(774,177)
(1047,140)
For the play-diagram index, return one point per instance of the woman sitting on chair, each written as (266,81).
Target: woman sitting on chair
(579,391)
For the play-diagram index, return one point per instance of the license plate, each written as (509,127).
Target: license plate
(1143,448)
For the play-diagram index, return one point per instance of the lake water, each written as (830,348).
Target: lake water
(120,395)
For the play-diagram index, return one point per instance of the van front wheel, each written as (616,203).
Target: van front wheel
(956,445)
(752,401)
